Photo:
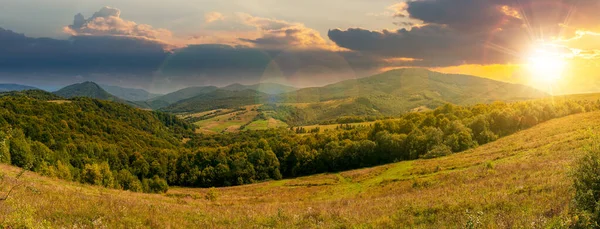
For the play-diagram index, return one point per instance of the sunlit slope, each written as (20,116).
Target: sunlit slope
(520,181)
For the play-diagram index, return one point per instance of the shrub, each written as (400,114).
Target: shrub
(586,181)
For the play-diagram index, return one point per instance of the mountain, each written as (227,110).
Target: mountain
(387,94)
(183,94)
(15,87)
(413,86)
(268,88)
(94,91)
(130,94)
(85,89)
(218,99)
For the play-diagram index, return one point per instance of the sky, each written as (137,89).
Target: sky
(161,46)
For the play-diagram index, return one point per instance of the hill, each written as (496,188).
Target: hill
(218,99)
(268,88)
(129,94)
(93,91)
(388,94)
(183,94)
(15,87)
(401,90)
(520,181)
(86,89)
(43,134)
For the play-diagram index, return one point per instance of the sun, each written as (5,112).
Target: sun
(545,64)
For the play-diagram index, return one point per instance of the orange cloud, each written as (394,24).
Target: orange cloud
(108,22)
(281,34)
(213,16)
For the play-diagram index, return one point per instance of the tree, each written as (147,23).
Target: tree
(4,148)
(20,150)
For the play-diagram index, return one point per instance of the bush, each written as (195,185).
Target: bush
(586,182)
(212,194)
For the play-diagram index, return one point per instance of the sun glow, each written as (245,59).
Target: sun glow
(546,65)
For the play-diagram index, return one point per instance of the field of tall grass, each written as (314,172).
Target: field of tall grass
(520,181)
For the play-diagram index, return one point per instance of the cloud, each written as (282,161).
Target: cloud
(108,22)
(456,32)
(278,34)
(432,45)
(129,61)
(213,16)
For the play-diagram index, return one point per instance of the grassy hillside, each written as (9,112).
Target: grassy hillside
(520,181)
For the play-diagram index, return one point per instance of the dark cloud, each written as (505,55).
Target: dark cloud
(129,61)
(434,45)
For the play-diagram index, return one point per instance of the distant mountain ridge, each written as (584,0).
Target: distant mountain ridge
(190,92)
(268,88)
(15,87)
(387,94)
(130,94)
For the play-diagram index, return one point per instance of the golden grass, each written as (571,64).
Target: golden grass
(59,101)
(520,181)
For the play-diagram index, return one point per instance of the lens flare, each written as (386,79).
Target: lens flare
(546,64)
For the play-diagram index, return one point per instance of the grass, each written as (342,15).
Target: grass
(520,181)
(227,122)
(271,123)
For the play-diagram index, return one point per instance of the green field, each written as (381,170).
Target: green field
(520,181)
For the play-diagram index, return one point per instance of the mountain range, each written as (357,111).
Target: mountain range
(390,93)
(130,94)
(387,94)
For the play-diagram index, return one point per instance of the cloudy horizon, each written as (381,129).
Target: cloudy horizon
(164,47)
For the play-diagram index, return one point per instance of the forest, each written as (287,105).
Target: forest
(117,146)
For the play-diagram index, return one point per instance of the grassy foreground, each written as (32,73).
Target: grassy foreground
(520,181)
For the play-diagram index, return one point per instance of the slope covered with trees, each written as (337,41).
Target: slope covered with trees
(111,144)
(92,141)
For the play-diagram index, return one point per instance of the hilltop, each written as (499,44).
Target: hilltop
(93,91)
(518,181)
(86,89)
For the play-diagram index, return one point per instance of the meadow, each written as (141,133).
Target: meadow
(519,181)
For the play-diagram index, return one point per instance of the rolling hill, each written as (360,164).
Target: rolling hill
(268,88)
(218,99)
(519,181)
(129,94)
(15,87)
(400,90)
(183,94)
